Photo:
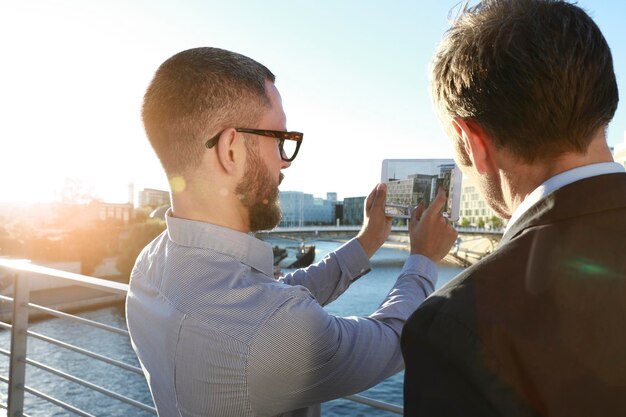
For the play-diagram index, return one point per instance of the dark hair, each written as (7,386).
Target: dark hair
(195,94)
(536,75)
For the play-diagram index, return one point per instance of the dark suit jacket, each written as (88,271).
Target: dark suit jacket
(537,328)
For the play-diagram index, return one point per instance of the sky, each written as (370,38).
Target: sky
(353,75)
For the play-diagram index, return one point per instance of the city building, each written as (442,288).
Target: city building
(474,210)
(64,216)
(150,197)
(339,213)
(418,188)
(353,210)
(301,209)
(123,213)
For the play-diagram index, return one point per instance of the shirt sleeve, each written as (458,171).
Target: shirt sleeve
(328,279)
(302,355)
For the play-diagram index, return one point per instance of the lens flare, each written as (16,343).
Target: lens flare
(588,267)
(177,184)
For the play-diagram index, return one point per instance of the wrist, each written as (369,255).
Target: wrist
(369,247)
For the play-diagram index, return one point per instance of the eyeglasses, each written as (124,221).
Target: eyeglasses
(288,142)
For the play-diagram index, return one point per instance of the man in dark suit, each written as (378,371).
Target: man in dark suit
(526,90)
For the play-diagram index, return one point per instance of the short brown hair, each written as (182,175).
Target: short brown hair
(195,94)
(536,75)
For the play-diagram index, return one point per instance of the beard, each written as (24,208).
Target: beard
(490,187)
(259,193)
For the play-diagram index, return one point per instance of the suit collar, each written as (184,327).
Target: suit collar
(561,180)
(587,196)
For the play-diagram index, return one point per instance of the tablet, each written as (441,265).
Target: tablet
(411,181)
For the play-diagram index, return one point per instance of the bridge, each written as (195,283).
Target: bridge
(473,243)
(351,231)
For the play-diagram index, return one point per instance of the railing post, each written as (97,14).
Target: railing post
(17,370)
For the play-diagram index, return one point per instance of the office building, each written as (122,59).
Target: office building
(301,209)
(150,197)
(353,210)
(112,211)
(474,210)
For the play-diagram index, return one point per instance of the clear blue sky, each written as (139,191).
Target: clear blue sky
(353,76)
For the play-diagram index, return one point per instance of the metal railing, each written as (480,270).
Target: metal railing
(21,271)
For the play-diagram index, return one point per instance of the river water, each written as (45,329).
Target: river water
(361,299)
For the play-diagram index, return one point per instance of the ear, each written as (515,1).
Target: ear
(477,144)
(230,151)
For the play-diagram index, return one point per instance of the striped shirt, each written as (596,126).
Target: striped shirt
(217,335)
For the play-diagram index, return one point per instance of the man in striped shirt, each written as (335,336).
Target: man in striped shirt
(215,333)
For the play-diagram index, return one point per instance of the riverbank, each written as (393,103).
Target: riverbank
(466,251)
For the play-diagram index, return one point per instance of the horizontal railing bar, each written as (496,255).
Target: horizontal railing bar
(79,319)
(57,402)
(88,384)
(6,406)
(82,280)
(375,403)
(77,349)
(6,298)
(81,382)
(61,314)
(85,352)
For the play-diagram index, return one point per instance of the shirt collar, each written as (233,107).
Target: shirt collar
(242,246)
(561,180)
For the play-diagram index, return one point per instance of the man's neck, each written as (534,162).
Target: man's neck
(215,208)
(518,180)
